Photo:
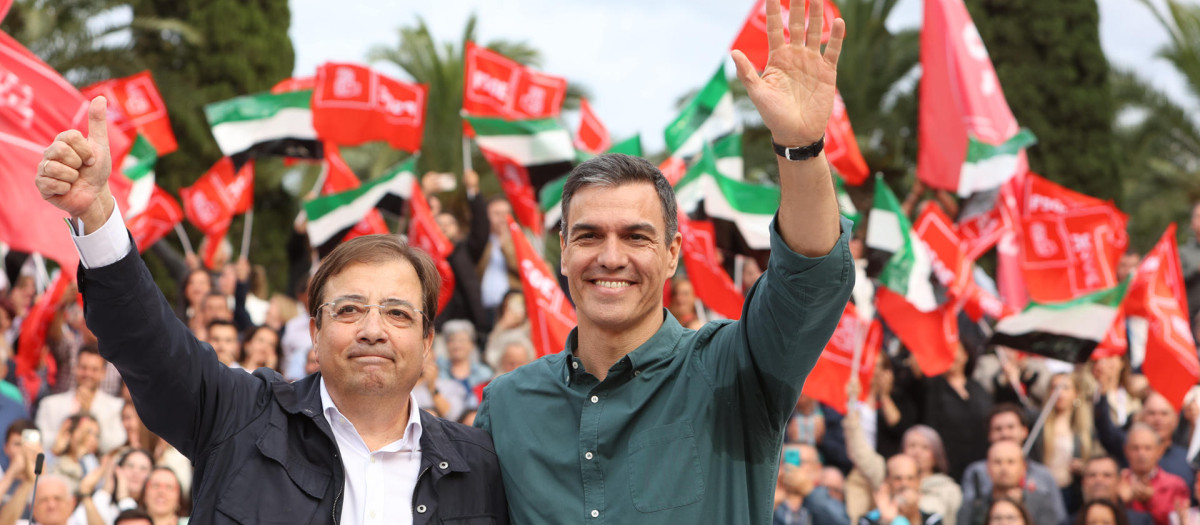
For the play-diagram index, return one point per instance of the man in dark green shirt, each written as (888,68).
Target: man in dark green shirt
(639,420)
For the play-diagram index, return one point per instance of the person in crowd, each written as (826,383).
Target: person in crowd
(375,298)
(279,310)
(197,286)
(1189,259)
(117,485)
(295,339)
(634,398)
(462,361)
(162,453)
(1067,438)
(1007,511)
(258,298)
(897,499)
(1101,480)
(53,505)
(683,304)
(751,271)
(1007,423)
(133,517)
(1185,514)
(953,401)
(1102,512)
(834,482)
(260,348)
(799,499)
(1144,485)
(216,308)
(163,498)
(1113,381)
(469,245)
(13,446)
(85,398)
(511,323)
(1158,415)
(222,336)
(1006,467)
(11,412)
(807,424)
(886,414)
(497,265)
(937,492)
(518,352)
(75,449)
(447,398)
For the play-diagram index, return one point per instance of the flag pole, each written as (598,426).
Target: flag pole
(183,239)
(247,228)
(1014,380)
(466,153)
(1041,421)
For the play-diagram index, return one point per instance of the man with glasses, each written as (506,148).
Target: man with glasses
(345,445)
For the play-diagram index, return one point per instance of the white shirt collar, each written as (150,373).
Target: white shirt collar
(411,440)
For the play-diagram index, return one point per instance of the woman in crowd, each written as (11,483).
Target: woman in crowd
(683,304)
(161,452)
(163,498)
(260,349)
(1006,511)
(122,483)
(196,287)
(462,357)
(75,448)
(1067,438)
(511,321)
(1105,512)
(952,402)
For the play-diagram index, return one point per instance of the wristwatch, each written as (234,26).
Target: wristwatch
(802,152)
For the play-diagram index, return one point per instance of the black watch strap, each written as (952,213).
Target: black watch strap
(800,153)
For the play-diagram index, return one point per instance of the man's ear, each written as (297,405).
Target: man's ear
(673,249)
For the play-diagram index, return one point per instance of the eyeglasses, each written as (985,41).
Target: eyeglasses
(396,313)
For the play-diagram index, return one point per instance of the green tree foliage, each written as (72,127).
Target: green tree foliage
(1158,138)
(1056,79)
(243,48)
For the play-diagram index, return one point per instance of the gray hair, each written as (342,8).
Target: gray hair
(616,169)
(458,326)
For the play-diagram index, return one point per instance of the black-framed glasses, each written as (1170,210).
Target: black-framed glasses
(396,313)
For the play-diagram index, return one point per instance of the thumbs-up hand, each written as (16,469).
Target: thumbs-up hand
(73,175)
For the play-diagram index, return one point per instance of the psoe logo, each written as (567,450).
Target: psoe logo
(538,280)
(16,97)
(534,100)
(346,84)
(395,106)
(489,85)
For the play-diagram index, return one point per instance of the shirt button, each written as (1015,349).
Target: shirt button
(443,465)
(372,459)
(637,373)
(372,514)
(575,365)
(588,455)
(420,509)
(595,399)
(595,513)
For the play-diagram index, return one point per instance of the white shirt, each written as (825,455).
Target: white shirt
(380,484)
(494,283)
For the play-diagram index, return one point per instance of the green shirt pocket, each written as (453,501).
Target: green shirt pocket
(664,470)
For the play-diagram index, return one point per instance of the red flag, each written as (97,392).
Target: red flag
(592,136)
(982,231)
(934,228)
(1009,280)
(551,316)
(142,105)
(1070,243)
(1162,260)
(932,337)
(4,5)
(37,104)
(353,104)
(752,40)
(841,146)
(828,379)
(338,178)
(1171,364)
(218,195)
(713,286)
(514,180)
(294,84)
(960,96)
(494,85)
(423,232)
(673,168)
(1115,341)
(161,215)
(33,334)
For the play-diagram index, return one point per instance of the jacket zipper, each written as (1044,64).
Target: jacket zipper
(334,512)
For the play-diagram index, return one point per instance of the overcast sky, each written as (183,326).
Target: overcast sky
(636,57)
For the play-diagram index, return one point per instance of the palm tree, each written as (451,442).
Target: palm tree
(1159,137)
(440,66)
(87,40)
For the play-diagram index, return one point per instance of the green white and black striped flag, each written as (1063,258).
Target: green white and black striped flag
(332,216)
(264,124)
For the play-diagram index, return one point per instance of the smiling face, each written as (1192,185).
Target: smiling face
(161,493)
(616,256)
(260,349)
(371,356)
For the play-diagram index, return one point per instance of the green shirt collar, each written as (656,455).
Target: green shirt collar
(658,348)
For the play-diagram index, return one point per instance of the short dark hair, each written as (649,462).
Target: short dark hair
(1005,408)
(18,426)
(134,514)
(220,322)
(377,249)
(251,332)
(617,169)
(1025,517)
(89,348)
(1117,510)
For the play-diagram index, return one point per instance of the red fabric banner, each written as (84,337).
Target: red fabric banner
(1070,243)
(1171,364)
(4,5)
(353,104)
(841,146)
(592,136)
(138,98)
(423,232)
(36,104)
(752,39)
(1115,341)
(551,316)
(959,95)
(496,86)
(156,221)
(514,180)
(31,349)
(932,337)
(713,286)
(218,195)
(1162,262)
(828,379)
